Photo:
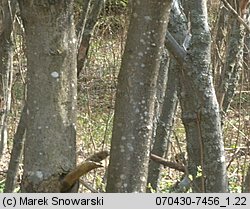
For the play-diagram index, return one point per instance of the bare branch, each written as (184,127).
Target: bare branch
(228,6)
(169,164)
(175,49)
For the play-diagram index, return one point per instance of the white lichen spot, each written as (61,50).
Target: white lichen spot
(145,113)
(125,185)
(142,41)
(122,148)
(222,159)
(55,74)
(39,127)
(142,65)
(140,54)
(130,147)
(72,84)
(34,101)
(137,110)
(46,127)
(143,179)
(122,177)
(37,108)
(123,138)
(143,102)
(132,137)
(39,174)
(147,18)
(141,84)
(74,40)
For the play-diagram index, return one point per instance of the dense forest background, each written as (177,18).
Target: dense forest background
(102,31)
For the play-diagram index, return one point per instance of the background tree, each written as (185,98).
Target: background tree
(233,59)
(50,148)
(7,9)
(161,143)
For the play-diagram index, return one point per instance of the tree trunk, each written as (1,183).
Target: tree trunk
(87,31)
(202,116)
(206,116)
(233,63)
(16,153)
(133,120)
(165,124)
(247,181)
(6,67)
(50,148)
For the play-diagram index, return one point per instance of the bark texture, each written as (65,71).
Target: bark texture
(133,120)
(178,29)
(206,142)
(51,93)
(200,109)
(233,62)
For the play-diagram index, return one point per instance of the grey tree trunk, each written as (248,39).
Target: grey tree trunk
(166,120)
(7,10)
(16,153)
(247,181)
(86,34)
(200,109)
(50,147)
(246,55)
(206,116)
(233,62)
(134,108)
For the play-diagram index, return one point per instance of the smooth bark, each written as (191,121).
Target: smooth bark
(50,146)
(134,108)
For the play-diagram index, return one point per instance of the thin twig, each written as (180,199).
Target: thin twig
(228,6)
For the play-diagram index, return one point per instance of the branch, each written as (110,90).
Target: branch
(169,164)
(175,49)
(91,163)
(228,6)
